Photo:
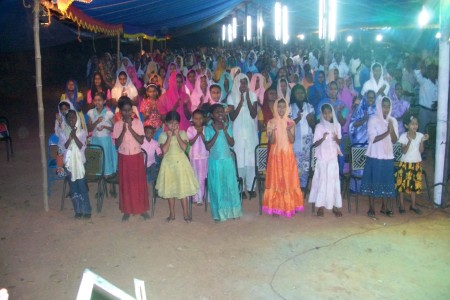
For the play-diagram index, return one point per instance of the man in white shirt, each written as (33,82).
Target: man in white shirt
(340,64)
(428,95)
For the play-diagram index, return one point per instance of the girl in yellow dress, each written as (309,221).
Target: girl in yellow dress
(176,179)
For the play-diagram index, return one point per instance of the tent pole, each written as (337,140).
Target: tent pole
(441,130)
(118,50)
(37,54)
(140,41)
(151,46)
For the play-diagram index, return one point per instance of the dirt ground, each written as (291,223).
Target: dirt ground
(43,254)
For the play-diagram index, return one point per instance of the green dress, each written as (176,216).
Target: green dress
(176,179)
(223,189)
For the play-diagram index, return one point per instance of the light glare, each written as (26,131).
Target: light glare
(249,28)
(349,39)
(234,28)
(285,25)
(379,38)
(277,21)
(424,17)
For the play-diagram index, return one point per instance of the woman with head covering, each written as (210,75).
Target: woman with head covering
(318,90)
(325,186)
(376,82)
(283,89)
(302,112)
(234,72)
(128,67)
(282,195)
(152,68)
(221,67)
(399,105)
(190,81)
(265,114)
(176,99)
(243,104)
(257,86)
(124,87)
(249,65)
(200,95)
(76,98)
(358,129)
(171,68)
(226,85)
(378,177)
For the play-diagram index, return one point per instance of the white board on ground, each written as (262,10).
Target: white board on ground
(94,287)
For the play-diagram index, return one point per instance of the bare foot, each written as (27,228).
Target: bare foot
(320,212)
(337,212)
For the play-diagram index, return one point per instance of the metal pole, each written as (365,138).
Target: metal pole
(140,42)
(37,54)
(441,129)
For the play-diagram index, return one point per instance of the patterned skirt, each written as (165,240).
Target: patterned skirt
(408,178)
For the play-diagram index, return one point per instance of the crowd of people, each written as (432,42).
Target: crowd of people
(199,113)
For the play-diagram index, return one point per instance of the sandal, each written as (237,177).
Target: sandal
(125,217)
(371,214)
(145,216)
(416,210)
(401,210)
(337,212)
(169,219)
(320,212)
(388,213)
(187,219)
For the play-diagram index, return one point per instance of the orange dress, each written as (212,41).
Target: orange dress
(282,195)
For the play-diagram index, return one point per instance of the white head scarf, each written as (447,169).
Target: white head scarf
(74,157)
(288,90)
(333,128)
(198,93)
(260,91)
(129,87)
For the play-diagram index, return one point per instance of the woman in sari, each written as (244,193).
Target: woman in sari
(358,128)
(304,117)
(176,99)
(226,85)
(399,105)
(190,81)
(318,90)
(257,86)
(200,94)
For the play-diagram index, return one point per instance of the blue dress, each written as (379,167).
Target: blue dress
(223,187)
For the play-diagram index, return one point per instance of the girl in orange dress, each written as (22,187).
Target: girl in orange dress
(283,195)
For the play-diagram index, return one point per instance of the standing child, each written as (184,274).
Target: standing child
(60,125)
(198,154)
(283,195)
(74,139)
(378,177)
(222,178)
(129,135)
(176,179)
(409,175)
(101,125)
(326,186)
(151,147)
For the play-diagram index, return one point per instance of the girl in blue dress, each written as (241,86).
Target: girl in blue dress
(222,179)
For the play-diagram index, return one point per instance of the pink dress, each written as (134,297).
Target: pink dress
(198,156)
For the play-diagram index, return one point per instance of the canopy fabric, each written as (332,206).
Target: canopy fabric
(157,18)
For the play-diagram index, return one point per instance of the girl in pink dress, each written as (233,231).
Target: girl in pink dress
(198,154)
